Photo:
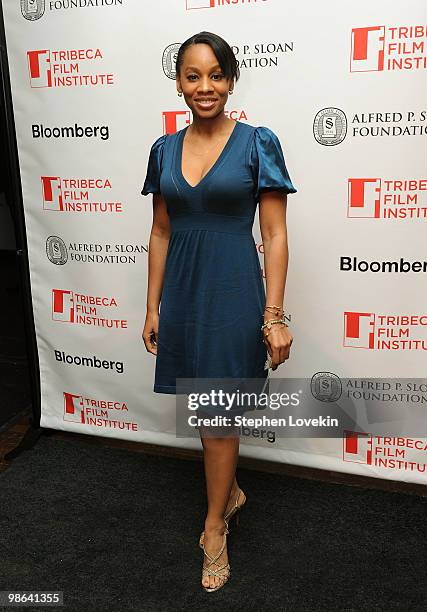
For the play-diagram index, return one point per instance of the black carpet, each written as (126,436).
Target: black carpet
(117,530)
(15,392)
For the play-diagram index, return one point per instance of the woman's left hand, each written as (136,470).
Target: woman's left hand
(278,342)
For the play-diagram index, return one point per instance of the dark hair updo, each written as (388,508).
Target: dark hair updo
(220,47)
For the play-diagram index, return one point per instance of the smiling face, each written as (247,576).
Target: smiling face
(202,81)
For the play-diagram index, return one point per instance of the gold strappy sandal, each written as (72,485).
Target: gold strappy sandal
(221,571)
(230,513)
(236,507)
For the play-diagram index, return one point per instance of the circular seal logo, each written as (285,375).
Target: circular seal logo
(56,250)
(326,387)
(169,60)
(330,126)
(32,9)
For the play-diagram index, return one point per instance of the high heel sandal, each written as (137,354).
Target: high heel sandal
(230,513)
(236,507)
(225,568)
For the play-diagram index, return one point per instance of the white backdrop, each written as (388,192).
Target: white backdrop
(343,87)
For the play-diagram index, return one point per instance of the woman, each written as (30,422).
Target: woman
(207,180)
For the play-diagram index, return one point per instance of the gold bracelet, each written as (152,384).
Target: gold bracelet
(276,310)
(271,322)
(269,332)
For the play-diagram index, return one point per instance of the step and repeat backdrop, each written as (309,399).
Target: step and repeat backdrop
(344,88)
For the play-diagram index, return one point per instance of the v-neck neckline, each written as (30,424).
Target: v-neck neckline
(215,164)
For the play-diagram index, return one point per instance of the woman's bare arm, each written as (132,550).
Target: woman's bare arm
(157,251)
(272,218)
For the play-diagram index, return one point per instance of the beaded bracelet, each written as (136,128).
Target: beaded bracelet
(271,322)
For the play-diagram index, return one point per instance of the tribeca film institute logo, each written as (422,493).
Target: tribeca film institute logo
(98,311)
(109,414)
(330,126)
(377,198)
(207,4)
(391,332)
(380,48)
(67,68)
(80,195)
(391,452)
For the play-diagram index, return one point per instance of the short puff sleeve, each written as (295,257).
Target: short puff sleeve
(154,167)
(268,163)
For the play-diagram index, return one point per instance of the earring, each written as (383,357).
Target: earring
(180,93)
(230,91)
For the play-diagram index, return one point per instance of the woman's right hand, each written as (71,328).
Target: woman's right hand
(149,333)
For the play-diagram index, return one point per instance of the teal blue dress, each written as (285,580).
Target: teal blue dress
(213,294)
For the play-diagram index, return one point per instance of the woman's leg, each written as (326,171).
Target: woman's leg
(220,462)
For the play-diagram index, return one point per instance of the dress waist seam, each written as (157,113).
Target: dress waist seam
(189,229)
